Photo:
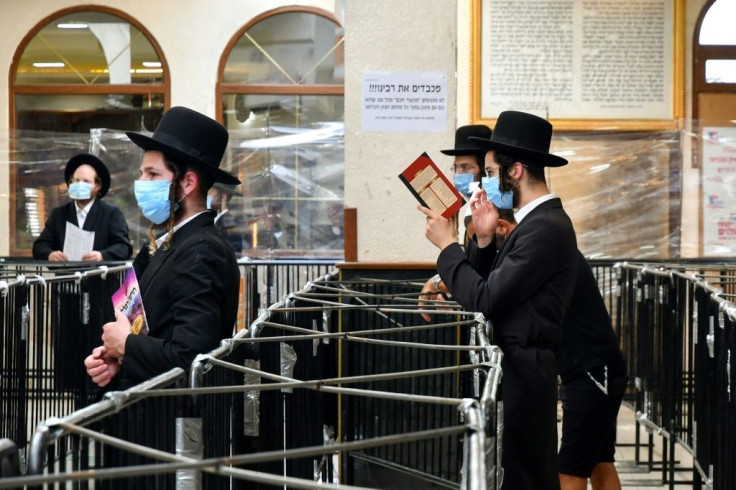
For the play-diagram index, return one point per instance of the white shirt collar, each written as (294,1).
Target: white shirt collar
(83,212)
(521,213)
(160,240)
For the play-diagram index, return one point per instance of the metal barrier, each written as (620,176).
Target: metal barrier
(52,316)
(331,386)
(678,333)
(317,402)
(267,281)
(280,405)
(51,319)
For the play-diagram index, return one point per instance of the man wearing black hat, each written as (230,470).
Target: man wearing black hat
(526,293)
(230,225)
(88,180)
(468,166)
(188,276)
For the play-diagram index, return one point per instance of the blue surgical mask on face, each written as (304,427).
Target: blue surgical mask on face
(79,191)
(502,200)
(153,199)
(209,202)
(462,182)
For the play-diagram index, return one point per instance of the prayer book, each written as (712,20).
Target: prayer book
(128,300)
(431,187)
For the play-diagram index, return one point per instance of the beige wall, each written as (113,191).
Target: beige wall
(406,37)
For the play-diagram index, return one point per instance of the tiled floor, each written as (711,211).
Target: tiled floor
(637,476)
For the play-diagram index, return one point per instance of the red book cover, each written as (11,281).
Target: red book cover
(430,186)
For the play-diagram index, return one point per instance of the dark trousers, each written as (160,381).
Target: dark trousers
(529,394)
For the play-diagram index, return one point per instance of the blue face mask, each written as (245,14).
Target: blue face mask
(209,202)
(502,200)
(462,183)
(79,191)
(153,199)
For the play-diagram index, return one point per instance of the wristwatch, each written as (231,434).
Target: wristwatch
(436,280)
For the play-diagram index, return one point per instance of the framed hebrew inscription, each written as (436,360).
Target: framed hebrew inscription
(582,64)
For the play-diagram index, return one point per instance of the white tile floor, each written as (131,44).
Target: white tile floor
(637,476)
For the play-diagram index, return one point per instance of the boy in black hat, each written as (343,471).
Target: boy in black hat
(526,293)
(188,276)
(88,180)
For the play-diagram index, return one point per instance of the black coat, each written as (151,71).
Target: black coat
(190,298)
(588,339)
(525,295)
(107,221)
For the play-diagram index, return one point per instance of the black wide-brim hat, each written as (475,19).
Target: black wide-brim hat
(522,135)
(86,158)
(463,146)
(189,137)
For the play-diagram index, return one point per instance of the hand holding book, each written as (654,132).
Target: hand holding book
(431,188)
(128,301)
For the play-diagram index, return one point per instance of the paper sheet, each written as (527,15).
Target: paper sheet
(77,242)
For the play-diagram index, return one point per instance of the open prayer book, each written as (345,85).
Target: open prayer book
(430,186)
(128,300)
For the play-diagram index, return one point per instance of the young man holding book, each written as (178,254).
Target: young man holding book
(526,293)
(188,275)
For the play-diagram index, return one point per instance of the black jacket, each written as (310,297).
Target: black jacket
(525,295)
(190,298)
(107,221)
(526,287)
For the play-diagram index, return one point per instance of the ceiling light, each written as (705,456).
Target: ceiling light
(152,64)
(146,70)
(49,64)
(71,25)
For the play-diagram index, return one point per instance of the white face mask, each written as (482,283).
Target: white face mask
(80,191)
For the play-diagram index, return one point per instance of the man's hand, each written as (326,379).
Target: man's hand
(100,367)
(485,218)
(57,256)
(440,231)
(114,335)
(93,256)
(430,292)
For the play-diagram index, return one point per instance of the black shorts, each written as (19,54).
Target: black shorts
(589,422)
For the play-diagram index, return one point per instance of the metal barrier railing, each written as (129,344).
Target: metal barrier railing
(677,330)
(263,425)
(299,344)
(51,318)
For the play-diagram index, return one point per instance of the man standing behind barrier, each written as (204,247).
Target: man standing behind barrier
(188,276)
(88,180)
(593,375)
(525,295)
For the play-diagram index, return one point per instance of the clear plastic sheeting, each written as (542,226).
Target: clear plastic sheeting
(623,192)
(290,202)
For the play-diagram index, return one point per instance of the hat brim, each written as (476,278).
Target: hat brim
(86,158)
(532,156)
(463,151)
(148,143)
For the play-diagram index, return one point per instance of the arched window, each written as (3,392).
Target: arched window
(76,72)
(281,96)
(714,69)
